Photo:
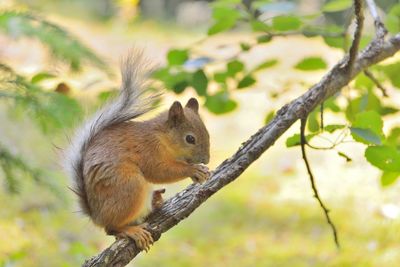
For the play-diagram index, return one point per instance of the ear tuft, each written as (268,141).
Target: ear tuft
(175,114)
(193,104)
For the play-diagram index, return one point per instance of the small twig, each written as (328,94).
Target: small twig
(313,185)
(348,159)
(320,147)
(339,140)
(341,136)
(376,82)
(358,10)
(379,26)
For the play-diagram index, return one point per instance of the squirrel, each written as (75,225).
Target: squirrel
(113,159)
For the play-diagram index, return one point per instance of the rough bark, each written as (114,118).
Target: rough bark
(179,207)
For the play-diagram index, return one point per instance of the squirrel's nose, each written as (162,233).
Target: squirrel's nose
(205,160)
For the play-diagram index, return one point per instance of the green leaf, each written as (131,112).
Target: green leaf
(225,19)
(200,82)
(331,105)
(388,110)
(259,26)
(333,127)
(336,42)
(311,63)
(366,102)
(392,72)
(363,82)
(264,39)
(220,77)
(234,67)
(220,103)
(367,128)
(370,120)
(220,26)
(331,40)
(180,86)
(365,136)
(337,5)
(392,22)
(389,178)
(294,140)
(223,13)
(266,64)
(269,117)
(393,138)
(41,76)
(177,57)
(286,23)
(161,74)
(383,157)
(245,47)
(312,121)
(175,81)
(247,81)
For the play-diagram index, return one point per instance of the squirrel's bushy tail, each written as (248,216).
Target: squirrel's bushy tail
(129,104)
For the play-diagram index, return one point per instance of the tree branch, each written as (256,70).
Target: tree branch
(380,32)
(379,26)
(174,210)
(376,82)
(358,11)
(303,142)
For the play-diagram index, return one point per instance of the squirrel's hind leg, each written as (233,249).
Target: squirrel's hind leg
(137,233)
(157,200)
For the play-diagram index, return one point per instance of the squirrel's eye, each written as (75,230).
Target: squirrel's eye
(190,139)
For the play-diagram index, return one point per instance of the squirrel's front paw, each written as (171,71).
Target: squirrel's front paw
(200,173)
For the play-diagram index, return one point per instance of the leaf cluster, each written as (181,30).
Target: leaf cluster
(362,108)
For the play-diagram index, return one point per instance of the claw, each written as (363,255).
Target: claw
(139,234)
(201,173)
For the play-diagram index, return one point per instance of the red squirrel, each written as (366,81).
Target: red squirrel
(113,159)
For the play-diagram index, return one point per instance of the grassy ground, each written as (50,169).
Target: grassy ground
(240,226)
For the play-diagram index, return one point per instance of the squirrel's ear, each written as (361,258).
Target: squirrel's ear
(193,104)
(175,114)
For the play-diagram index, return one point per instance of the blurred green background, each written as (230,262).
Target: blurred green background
(59,61)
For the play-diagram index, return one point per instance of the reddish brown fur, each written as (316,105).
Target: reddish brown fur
(122,161)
